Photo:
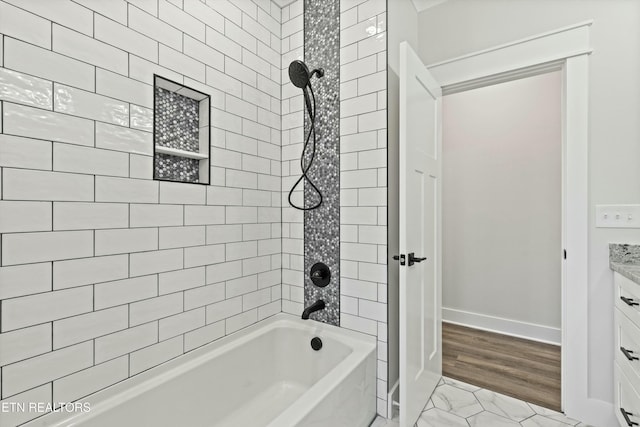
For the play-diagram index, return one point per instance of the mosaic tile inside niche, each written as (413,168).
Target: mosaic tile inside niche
(174,168)
(177,121)
(322,225)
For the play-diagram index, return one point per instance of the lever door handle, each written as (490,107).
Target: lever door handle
(629,301)
(413,259)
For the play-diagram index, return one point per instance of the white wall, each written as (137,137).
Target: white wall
(502,207)
(457,27)
(403,25)
(104,272)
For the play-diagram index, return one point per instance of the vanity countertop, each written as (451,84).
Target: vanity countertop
(625,259)
(630,271)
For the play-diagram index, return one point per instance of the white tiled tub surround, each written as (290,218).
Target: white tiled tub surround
(230,387)
(363,178)
(292,142)
(105,273)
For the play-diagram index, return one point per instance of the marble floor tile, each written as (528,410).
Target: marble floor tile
(489,419)
(456,401)
(438,418)
(460,384)
(457,404)
(429,405)
(558,416)
(505,406)
(541,421)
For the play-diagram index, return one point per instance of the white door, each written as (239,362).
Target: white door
(420,235)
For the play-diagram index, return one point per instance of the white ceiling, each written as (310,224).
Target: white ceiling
(426,4)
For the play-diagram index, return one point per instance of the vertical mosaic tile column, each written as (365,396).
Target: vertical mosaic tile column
(322,225)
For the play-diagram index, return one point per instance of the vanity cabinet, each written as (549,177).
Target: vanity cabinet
(627,351)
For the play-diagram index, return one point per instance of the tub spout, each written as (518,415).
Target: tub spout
(316,306)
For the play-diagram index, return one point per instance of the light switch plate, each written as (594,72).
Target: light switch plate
(618,216)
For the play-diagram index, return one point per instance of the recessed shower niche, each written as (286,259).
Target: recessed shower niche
(180,133)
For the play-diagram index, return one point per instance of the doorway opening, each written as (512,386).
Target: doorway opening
(566,49)
(502,237)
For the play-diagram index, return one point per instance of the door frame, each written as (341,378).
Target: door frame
(566,49)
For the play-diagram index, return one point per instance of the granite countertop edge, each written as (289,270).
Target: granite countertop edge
(630,271)
(625,259)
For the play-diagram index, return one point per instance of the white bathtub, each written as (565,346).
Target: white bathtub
(264,375)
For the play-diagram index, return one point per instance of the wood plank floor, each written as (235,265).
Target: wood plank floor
(520,368)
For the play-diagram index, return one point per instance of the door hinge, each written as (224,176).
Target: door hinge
(400,258)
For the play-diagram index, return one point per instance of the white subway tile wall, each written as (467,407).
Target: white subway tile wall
(363,157)
(104,272)
(292,142)
(363,95)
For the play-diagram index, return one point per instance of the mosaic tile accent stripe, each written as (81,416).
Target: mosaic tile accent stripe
(322,225)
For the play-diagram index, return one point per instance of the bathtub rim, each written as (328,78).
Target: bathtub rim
(362,346)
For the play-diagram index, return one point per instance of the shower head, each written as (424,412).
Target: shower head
(301,78)
(300,75)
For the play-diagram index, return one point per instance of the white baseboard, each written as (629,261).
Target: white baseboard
(514,328)
(594,412)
